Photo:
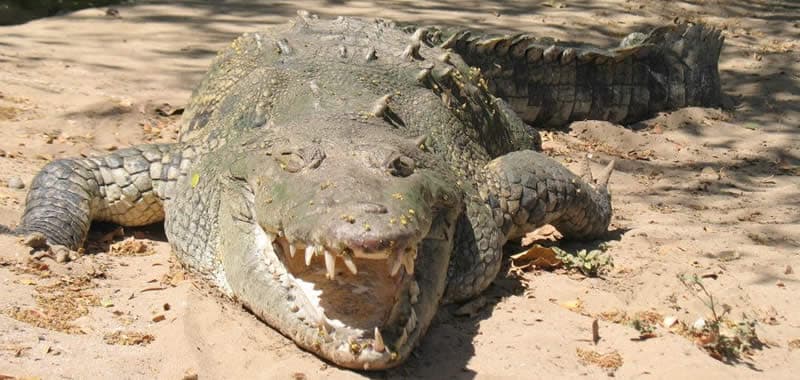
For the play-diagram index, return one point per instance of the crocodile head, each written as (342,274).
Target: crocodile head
(349,243)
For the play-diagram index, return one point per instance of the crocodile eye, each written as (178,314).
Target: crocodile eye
(399,165)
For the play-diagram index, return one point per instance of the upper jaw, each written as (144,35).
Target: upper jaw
(354,306)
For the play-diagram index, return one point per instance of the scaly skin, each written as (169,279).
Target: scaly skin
(338,178)
(553,83)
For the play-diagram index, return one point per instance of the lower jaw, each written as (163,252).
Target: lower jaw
(431,283)
(354,344)
(359,351)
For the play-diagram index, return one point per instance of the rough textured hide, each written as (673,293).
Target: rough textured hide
(343,178)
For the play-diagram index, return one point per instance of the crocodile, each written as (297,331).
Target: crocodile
(343,178)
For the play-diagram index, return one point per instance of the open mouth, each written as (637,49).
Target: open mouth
(360,303)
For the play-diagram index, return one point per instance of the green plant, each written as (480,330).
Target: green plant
(590,263)
(727,346)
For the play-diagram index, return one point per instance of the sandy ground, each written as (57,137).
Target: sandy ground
(697,191)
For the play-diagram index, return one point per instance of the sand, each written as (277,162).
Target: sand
(698,191)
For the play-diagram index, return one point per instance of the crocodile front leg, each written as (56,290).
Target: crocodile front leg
(477,252)
(527,189)
(523,190)
(128,187)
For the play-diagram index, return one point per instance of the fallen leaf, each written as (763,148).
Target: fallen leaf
(544,233)
(541,257)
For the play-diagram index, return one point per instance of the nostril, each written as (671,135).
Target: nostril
(372,208)
(400,165)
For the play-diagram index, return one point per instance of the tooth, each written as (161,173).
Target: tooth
(292,250)
(330,265)
(408,261)
(350,264)
(395,261)
(413,293)
(412,321)
(309,254)
(401,341)
(378,345)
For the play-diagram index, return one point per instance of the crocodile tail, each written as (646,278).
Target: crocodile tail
(684,64)
(551,83)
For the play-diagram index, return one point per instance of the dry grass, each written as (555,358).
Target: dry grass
(128,338)
(609,361)
(132,247)
(58,305)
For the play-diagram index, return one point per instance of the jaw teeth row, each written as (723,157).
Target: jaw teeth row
(405,258)
(378,343)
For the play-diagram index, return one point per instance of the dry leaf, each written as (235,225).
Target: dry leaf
(544,233)
(541,257)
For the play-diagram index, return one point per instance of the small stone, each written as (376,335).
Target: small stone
(15,183)
(788,270)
